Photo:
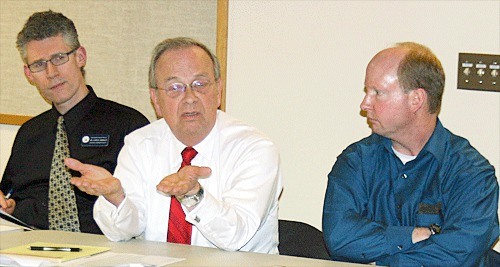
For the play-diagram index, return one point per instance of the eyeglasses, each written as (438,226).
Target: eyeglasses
(56,60)
(176,89)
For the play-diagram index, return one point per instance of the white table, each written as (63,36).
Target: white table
(194,255)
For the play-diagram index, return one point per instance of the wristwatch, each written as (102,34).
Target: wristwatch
(192,200)
(435,229)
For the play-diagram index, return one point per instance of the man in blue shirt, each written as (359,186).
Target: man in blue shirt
(412,193)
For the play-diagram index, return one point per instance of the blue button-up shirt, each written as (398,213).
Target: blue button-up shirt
(374,201)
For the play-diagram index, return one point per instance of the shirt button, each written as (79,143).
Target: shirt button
(400,247)
(197,219)
(404,176)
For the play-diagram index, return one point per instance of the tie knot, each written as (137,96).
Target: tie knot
(187,155)
(60,120)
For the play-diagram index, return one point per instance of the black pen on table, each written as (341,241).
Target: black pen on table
(63,249)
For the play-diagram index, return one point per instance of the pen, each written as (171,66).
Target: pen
(66,249)
(9,194)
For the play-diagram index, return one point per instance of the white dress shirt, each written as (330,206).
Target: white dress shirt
(239,210)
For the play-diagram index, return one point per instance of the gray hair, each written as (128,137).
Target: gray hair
(46,24)
(177,43)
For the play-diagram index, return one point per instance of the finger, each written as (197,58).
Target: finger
(74,164)
(195,172)
(204,172)
(3,202)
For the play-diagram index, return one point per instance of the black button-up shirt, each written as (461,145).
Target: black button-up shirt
(28,170)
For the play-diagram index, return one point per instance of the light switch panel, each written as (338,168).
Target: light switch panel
(478,72)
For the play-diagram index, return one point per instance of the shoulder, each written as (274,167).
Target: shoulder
(367,146)
(232,130)
(153,132)
(40,122)
(117,109)
(462,155)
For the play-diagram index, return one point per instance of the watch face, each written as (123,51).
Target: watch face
(190,201)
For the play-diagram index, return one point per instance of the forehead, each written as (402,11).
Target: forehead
(45,48)
(185,61)
(383,68)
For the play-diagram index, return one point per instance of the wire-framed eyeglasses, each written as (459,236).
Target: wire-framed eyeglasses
(176,89)
(56,60)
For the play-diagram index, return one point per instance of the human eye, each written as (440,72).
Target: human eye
(175,87)
(58,59)
(38,64)
(200,84)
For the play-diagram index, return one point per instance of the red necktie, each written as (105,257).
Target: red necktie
(179,230)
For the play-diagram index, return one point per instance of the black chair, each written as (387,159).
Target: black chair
(301,240)
(493,258)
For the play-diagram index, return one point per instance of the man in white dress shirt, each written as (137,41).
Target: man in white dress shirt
(229,193)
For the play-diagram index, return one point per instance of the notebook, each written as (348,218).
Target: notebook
(54,256)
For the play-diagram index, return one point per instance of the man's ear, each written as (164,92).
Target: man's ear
(28,74)
(418,99)
(81,56)
(219,92)
(153,93)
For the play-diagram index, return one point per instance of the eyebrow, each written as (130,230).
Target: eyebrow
(176,78)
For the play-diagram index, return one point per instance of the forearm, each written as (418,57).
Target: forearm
(349,236)
(118,223)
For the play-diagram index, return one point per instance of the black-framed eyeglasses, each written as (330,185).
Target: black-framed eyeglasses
(56,60)
(176,89)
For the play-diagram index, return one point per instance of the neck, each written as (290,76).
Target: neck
(64,107)
(416,137)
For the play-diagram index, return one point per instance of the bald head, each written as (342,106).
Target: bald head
(413,66)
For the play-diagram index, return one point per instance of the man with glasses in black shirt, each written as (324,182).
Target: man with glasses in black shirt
(54,62)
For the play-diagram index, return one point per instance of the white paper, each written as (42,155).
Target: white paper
(8,219)
(9,228)
(19,260)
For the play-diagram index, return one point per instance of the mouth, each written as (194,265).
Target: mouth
(57,86)
(190,115)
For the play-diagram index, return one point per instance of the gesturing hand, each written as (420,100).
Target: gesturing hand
(183,182)
(96,181)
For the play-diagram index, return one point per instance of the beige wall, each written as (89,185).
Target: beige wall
(296,70)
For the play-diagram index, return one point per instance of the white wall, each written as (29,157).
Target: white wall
(296,71)
(7,135)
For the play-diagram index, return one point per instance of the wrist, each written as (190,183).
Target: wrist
(435,229)
(115,198)
(190,201)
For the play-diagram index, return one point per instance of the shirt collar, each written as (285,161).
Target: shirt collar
(435,145)
(205,147)
(75,115)
(438,142)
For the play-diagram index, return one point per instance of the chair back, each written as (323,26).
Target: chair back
(301,240)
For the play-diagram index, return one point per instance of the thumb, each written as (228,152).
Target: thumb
(204,172)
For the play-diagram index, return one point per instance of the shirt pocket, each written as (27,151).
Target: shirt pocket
(428,214)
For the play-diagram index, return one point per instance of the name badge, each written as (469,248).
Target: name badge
(95,140)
